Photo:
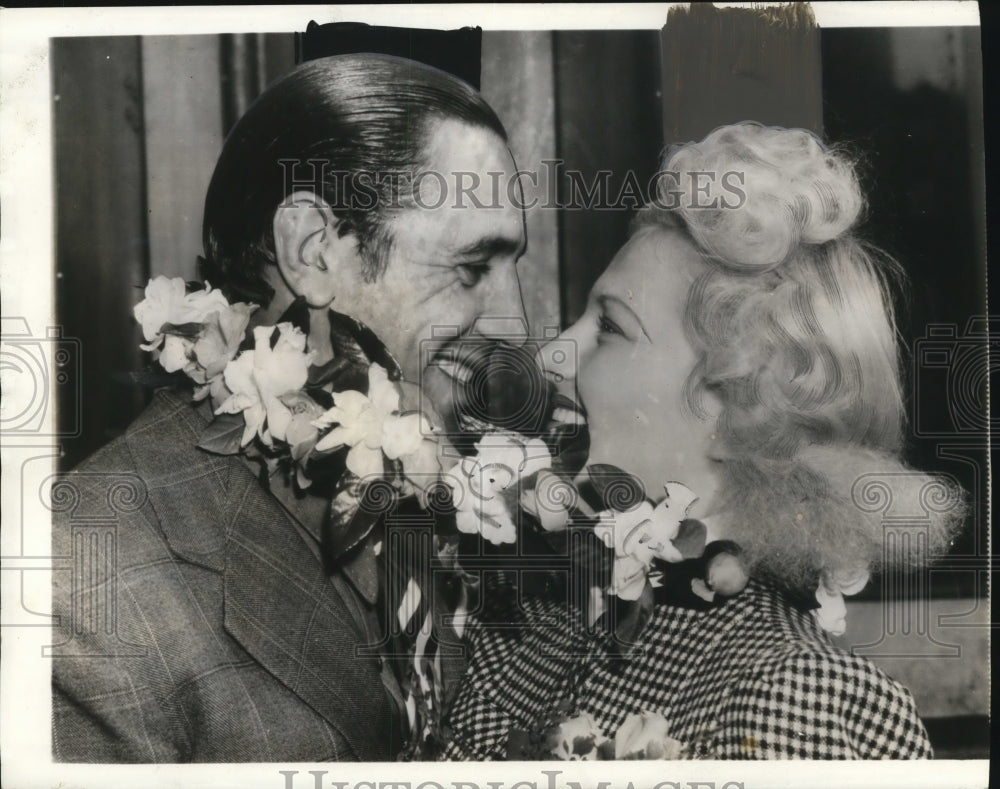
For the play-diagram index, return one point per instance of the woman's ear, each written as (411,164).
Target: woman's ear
(312,257)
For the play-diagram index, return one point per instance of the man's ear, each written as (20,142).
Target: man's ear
(312,257)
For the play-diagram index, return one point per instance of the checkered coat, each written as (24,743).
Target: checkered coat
(753,678)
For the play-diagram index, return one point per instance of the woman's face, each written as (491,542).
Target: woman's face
(633,361)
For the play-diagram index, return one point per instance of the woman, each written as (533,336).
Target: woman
(748,351)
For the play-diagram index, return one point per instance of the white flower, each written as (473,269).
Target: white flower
(645,736)
(176,353)
(371,426)
(478,483)
(167,301)
(403,435)
(301,434)
(245,397)
(832,612)
(220,339)
(576,738)
(477,512)
(628,577)
(259,378)
(642,534)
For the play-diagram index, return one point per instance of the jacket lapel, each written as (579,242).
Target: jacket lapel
(285,611)
(280,606)
(186,487)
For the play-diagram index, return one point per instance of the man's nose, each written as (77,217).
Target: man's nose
(501,309)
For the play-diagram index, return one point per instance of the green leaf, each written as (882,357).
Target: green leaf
(297,314)
(583,746)
(351,337)
(631,617)
(190,331)
(223,435)
(690,539)
(354,512)
(519,747)
(355,348)
(570,446)
(616,488)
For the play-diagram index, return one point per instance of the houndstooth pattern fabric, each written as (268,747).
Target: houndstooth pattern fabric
(753,678)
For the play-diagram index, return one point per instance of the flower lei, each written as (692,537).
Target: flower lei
(266,387)
(349,414)
(572,735)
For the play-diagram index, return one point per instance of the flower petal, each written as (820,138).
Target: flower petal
(423,467)
(174,355)
(536,457)
(832,612)
(335,438)
(382,392)
(365,462)
(498,529)
(402,435)
(628,578)
(278,417)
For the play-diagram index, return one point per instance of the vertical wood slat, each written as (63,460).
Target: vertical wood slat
(518,82)
(724,65)
(607,90)
(183,111)
(248,63)
(101,245)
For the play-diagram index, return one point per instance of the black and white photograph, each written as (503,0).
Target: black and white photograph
(533,386)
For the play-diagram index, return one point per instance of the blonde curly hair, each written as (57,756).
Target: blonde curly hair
(793,323)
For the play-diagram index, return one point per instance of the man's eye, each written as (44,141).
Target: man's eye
(469,274)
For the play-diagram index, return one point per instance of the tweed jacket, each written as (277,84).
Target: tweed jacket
(753,678)
(195,621)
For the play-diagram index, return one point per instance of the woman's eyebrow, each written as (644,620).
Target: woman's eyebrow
(607,300)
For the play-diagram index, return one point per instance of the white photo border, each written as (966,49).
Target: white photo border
(27,193)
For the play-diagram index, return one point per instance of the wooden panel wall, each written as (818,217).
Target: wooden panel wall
(102,250)
(518,82)
(608,118)
(183,111)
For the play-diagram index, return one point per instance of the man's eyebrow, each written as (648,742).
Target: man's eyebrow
(492,246)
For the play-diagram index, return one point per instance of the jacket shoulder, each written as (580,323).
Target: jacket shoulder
(808,699)
(156,473)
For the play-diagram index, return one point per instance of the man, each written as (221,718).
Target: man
(207,629)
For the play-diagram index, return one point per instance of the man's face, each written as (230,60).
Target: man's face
(453,256)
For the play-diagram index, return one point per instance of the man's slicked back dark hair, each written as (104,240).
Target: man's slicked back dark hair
(350,114)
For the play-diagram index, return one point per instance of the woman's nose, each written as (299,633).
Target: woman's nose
(560,358)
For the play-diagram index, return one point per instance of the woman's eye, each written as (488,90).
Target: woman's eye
(606,326)
(469,274)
